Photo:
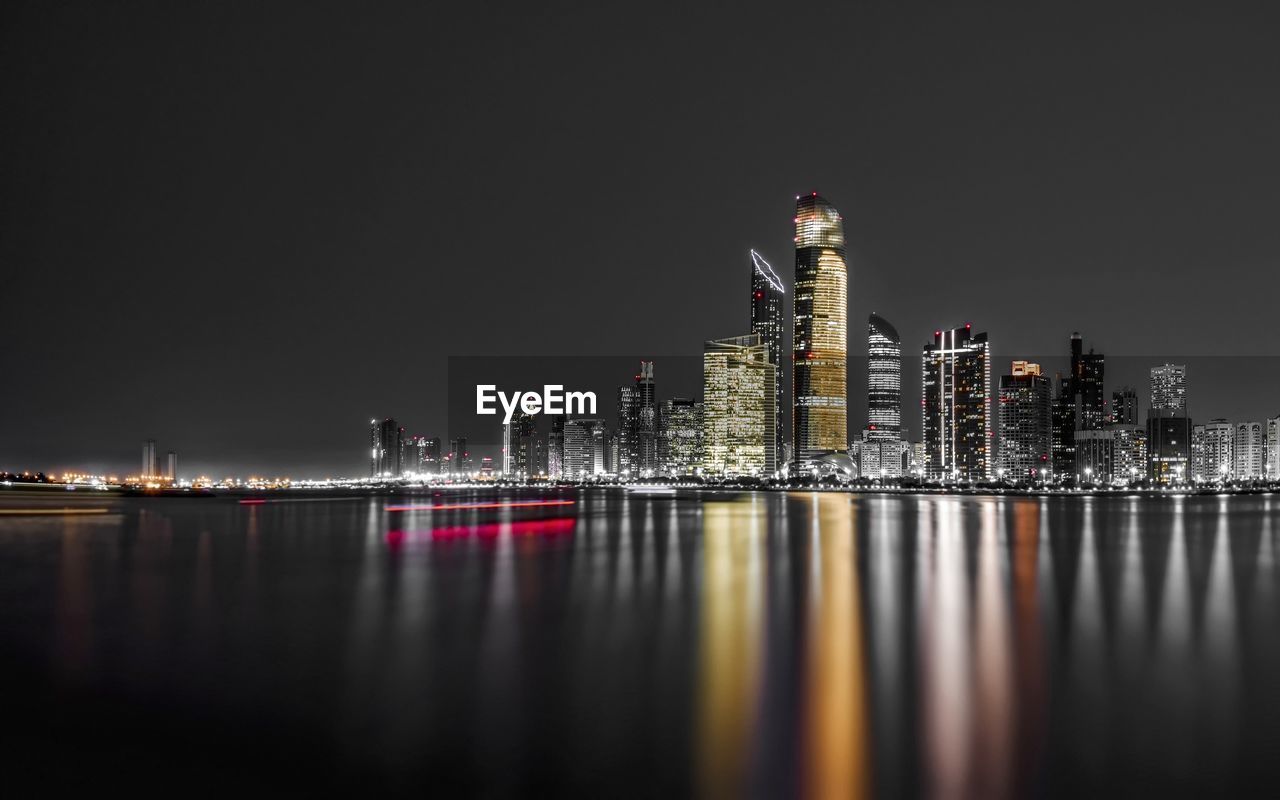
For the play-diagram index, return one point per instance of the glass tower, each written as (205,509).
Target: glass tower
(738,422)
(819,419)
(884,380)
(767,320)
(957,406)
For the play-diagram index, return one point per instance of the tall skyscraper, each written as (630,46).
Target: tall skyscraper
(1273,448)
(555,448)
(1087,382)
(1124,406)
(1026,424)
(386,442)
(1219,450)
(1169,427)
(459,457)
(1066,412)
(1250,451)
(637,451)
(1169,389)
(738,406)
(584,448)
(957,405)
(881,448)
(680,436)
(431,456)
(150,468)
(819,419)
(767,321)
(517,446)
(171,473)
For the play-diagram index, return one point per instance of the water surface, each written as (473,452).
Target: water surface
(721,645)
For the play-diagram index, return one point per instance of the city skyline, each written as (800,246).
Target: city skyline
(246,287)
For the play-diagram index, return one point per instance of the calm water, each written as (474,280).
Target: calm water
(722,645)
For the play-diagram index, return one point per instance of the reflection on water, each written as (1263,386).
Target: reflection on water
(723,645)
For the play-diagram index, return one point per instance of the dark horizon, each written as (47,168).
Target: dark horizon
(247,230)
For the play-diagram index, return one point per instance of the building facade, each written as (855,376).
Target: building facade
(768,321)
(1026,424)
(956,406)
(819,416)
(1273,448)
(680,436)
(584,448)
(738,407)
(1250,451)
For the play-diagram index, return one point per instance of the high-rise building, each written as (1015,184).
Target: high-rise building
(1124,406)
(517,445)
(172,471)
(584,448)
(957,405)
(884,380)
(767,321)
(1273,448)
(1129,452)
(459,457)
(1169,389)
(638,425)
(1169,429)
(150,468)
(1219,450)
(1065,412)
(1199,444)
(738,406)
(555,448)
(819,418)
(1086,381)
(1250,451)
(387,445)
(431,456)
(1026,424)
(680,436)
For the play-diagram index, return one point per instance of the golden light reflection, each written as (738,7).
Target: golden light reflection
(729,661)
(836,715)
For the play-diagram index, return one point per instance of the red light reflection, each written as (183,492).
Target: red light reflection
(459,506)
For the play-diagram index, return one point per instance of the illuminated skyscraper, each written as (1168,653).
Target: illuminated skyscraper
(680,436)
(584,448)
(1124,406)
(738,423)
(880,451)
(767,321)
(1169,389)
(957,406)
(1087,371)
(819,418)
(517,446)
(431,456)
(555,448)
(172,472)
(1025,423)
(150,468)
(1169,428)
(459,457)
(1219,450)
(1251,448)
(1273,448)
(637,451)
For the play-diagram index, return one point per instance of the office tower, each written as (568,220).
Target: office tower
(1169,389)
(638,425)
(1199,443)
(1273,448)
(150,468)
(375,447)
(1124,406)
(431,456)
(1086,382)
(1219,450)
(172,472)
(957,405)
(680,436)
(738,395)
(1065,413)
(819,417)
(1169,429)
(879,453)
(627,432)
(388,447)
(584,448)
(767,321)
(459,457)
(1250,451)
(1095,456)
(555,448)
(1026,423)
(1129,453)
(517,445)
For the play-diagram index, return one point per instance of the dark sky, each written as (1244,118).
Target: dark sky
(244,229)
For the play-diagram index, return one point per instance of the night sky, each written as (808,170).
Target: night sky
(245,229)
